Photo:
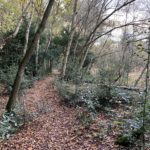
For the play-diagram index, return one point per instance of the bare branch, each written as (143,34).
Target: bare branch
(9,38)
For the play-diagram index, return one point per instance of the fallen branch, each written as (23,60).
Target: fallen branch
(124,87)
(129,88)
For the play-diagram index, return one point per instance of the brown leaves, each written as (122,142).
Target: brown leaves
(55,129)
(30,148)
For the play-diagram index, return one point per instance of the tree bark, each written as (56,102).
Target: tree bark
(26,58)
(9,38)
(137,81)
(46,50)
(70,40)
(37,56)
(146,92)
(51,65)
(67,54)
(27,33)
(84,58)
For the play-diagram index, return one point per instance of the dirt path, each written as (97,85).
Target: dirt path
(51,130)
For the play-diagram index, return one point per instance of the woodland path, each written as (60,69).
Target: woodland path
(54,129)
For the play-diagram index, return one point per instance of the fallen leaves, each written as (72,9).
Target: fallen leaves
(56,129)
(30,148)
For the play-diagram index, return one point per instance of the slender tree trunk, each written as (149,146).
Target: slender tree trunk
(51,65)
(26,58)
(86,49)
(67,54)
(146,92)
(75,48)
(9,38)
(145,100)
(27,33)
(84,58)
(37,56)
(137,81)
(45,62)
(46,50)
(89,65)
(90,39)
(71,39)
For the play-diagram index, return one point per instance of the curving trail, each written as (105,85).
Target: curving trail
(55,129)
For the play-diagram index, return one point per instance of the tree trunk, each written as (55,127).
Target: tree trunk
(90,39)
(75,49)
(27,34)
(70,40)
(37,56)
(46,50)
(17,82)
(146,92)
(84,58)
(137,81)
(51,65)
(67,54)
(9,38)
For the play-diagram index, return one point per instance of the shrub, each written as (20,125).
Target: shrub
(9,125)
(87,97)
(103,95)
(93,97)
(85,118)
(7,76)
(67,91)
(123,140)
(72,73)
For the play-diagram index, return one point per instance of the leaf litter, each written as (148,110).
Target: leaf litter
(57,128)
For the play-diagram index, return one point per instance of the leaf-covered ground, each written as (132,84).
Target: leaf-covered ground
(56,128)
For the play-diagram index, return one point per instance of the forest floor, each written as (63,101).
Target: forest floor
(56,128)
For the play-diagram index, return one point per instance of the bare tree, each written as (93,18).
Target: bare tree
(92,37)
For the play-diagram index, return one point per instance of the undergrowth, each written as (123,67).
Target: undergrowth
(9,124)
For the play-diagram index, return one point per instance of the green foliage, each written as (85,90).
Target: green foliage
(63,38)
(7,76)
(72,73)
(88,78)
(131,138)
(103,94)
(106,75)
(138,132)
(13,51)
(89,58)
(92,98)
(54,52)
(123,140)
(87,97)
(68,92)
(11,57)
(9,125)
(9,11)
